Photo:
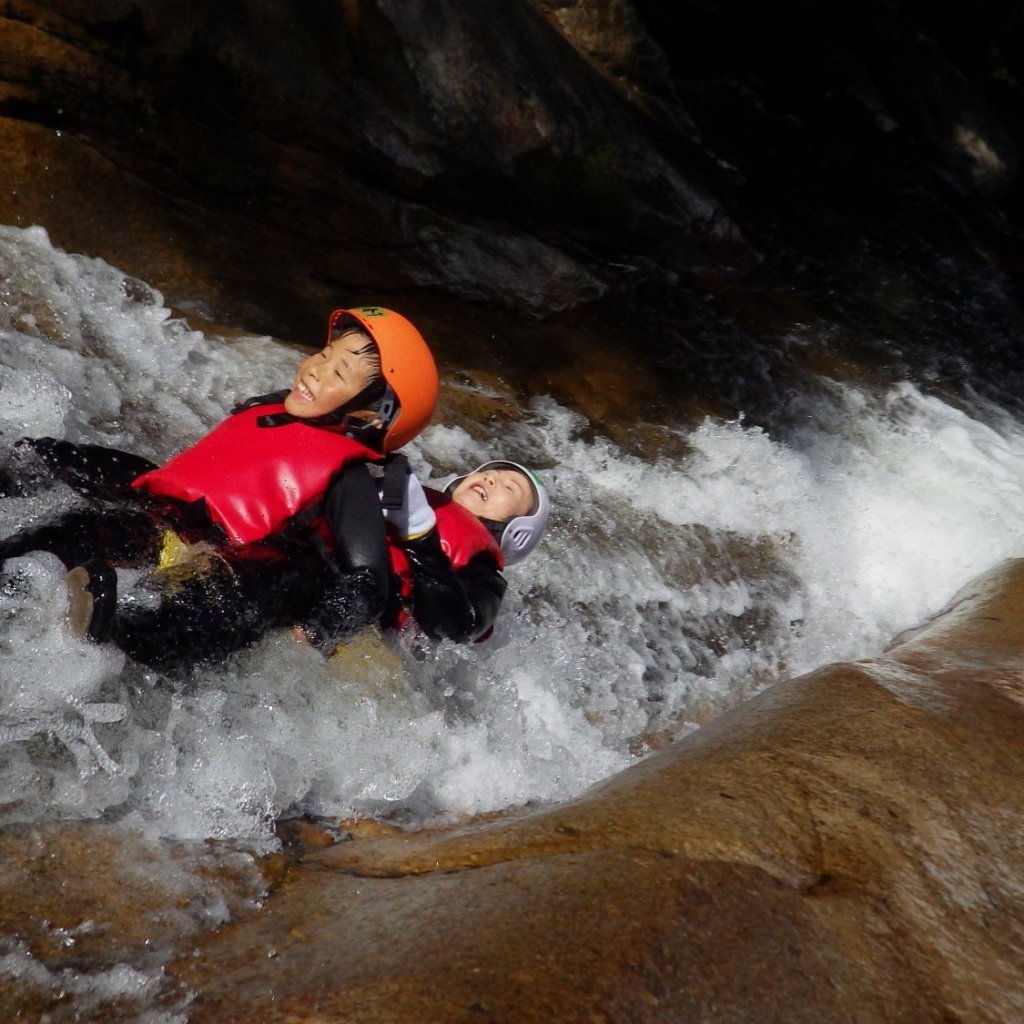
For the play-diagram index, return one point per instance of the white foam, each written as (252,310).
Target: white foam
(117,986)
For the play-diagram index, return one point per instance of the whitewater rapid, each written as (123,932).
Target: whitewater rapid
(666,590)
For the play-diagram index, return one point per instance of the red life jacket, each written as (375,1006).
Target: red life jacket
(252,478)
(462,536)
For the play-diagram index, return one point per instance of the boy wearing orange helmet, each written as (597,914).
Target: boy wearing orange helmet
(271,513)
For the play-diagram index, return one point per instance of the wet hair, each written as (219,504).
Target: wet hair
(369,349)
(357,416)
(369,398)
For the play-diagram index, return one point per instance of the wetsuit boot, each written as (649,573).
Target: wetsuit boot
(92,600)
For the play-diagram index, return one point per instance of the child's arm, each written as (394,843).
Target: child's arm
(448,603)
(346,607)
(352,510)
(359,593)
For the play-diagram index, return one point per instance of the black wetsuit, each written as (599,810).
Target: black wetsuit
(454,604)
(290,578)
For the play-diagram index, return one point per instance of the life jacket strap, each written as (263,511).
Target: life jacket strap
(274,398)
(393,471)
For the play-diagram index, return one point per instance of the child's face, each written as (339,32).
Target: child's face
(496,494)
(326,381)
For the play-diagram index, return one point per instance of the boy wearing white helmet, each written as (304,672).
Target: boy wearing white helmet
(448,547)
(511,499)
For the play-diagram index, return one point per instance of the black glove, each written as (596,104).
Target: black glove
(351,603)
(448,603)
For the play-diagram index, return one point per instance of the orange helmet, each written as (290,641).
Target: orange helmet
(407,365)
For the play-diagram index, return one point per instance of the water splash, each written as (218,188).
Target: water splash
(668,588)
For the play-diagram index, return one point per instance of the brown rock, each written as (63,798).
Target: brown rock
(844,847)
(88,912)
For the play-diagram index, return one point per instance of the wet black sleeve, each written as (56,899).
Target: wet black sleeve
(457,604)
(353,512)
(347,604)
(357,591)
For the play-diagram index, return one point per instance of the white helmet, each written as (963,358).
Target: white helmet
(519,535)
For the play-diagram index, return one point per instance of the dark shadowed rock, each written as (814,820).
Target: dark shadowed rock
(625,163)
(370,147)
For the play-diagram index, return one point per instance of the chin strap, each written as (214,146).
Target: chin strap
(274,398)
(367,431)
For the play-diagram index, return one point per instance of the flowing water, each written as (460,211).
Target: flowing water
(666,590)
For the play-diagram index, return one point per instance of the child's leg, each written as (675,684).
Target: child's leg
(197,618)
(37,463)
(122,535)
(221,601)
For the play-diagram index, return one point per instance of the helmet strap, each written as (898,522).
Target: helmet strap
(388,407)
(372,397)
(376,398)
(496,529)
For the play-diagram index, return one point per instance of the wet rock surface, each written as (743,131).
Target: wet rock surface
(841,847)
(844,846)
